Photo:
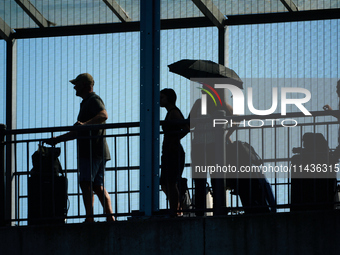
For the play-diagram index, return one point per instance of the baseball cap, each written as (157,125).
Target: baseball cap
(83,77)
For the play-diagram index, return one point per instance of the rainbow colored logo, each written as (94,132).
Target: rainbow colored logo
(210,94)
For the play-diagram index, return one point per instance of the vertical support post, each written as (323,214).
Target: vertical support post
(220,198)
(221,45)
(11,117)
(226,46)
(2,174)
(149,105)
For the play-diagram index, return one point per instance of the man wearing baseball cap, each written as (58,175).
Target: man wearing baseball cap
(93,151)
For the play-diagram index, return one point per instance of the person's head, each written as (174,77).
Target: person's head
(167,97)
(83,84)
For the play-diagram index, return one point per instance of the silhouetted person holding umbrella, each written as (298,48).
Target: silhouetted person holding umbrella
(335,114)
(203,146)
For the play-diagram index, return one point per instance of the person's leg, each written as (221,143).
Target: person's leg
(174,198)
(101,192)
(165,179)
(105,200)
(172,195)
(174,167)
(165,189)
(198,157)
(85,179)
(88,199)
(200,196)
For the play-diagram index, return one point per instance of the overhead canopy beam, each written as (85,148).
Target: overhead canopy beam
(290,5)
(250,19)
(5,30)
(134,26)
(33,13)
(118,10)
(210,11)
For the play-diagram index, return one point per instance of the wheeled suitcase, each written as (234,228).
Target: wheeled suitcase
(308,193)
(47,188)
(47,200)
(254,191)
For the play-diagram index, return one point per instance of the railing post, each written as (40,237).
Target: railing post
(219,187)
(2,174)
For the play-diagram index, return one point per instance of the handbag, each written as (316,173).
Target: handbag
(45,161)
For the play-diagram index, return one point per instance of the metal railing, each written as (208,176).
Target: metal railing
(275,142)
(121,175)
(272,141)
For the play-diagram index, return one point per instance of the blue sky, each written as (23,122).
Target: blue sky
(287,54)
(285,50)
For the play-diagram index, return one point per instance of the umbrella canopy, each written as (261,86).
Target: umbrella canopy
(203,69)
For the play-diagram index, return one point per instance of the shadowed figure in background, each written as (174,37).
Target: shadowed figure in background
(335,114)
(90,150)
(173,156)
(203,145)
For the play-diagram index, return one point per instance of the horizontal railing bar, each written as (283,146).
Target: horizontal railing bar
(71,128)
(83,137)
(111,193)
(72,217)
(110,169)
(137,124)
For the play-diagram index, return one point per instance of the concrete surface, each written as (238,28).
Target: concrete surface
(282,233)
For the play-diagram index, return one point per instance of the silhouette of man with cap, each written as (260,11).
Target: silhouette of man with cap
(93,151)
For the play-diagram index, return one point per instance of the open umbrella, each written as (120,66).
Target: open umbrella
(203,69)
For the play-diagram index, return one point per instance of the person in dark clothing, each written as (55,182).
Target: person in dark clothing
(173,156)
(335,114)
(203,147)
(93,153)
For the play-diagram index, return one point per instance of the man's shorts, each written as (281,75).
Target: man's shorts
(98,166)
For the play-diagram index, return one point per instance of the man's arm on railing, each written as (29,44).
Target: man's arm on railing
(335,114)
(98,119)
(62,138)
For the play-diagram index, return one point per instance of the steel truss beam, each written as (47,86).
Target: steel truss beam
(210,11)
(290,5)
(281,17)
(33,13)
(117,10)
(5,30)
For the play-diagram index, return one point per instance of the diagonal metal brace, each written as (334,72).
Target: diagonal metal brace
(211,11)
(290,5)
(34,14)
(117,10)
(5,30)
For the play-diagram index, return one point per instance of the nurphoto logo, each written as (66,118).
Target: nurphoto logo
(215,89)
(238,102)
